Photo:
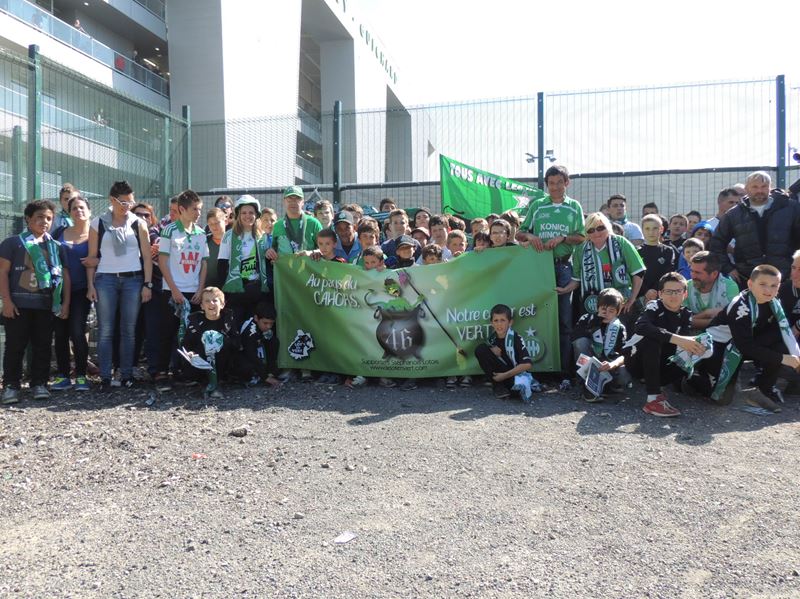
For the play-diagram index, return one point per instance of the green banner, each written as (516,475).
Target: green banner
(472,193)
(423,321)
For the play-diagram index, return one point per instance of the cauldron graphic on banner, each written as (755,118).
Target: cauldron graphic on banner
(399,332)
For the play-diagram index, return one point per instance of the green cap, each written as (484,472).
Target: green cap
(294,190)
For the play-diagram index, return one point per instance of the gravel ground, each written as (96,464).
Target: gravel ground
(449,494)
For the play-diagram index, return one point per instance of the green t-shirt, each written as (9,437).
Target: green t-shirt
(301,234)
(548,220)
(613,273)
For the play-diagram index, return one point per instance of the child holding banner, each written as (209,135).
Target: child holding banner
(505,359)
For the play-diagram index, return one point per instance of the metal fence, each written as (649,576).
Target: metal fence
(674,145)
(58,126)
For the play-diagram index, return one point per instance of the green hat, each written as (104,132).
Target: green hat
(294,190)
(246,200)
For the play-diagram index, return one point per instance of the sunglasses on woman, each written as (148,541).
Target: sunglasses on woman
(144,215)
(597,229)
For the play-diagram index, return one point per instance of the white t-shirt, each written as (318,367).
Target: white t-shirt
(186,251)
(129,261)
(249,260)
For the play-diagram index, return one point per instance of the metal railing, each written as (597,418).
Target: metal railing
(57,29)
(157,7)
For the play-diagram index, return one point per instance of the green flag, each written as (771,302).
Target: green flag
(472,193)
(424,321)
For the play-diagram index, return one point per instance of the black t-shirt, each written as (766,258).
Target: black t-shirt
(659,260)
(25,292)
(521,354)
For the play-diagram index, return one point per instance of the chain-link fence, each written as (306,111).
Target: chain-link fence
(674,145)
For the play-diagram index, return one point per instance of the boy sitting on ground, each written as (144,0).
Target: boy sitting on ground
(602,336)
(752,327)
(504,357)
(211,335)
(260,346)
(663,328)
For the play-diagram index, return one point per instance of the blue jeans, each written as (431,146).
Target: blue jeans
(563,277)
(125,293)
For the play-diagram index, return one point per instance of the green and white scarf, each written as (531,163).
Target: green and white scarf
(718,298)
(733,357)
(604,345)
(212,344)
(592,266)
(233,284)
(687,361)
(297,242)
(622,221)
(181,312)
(47,275)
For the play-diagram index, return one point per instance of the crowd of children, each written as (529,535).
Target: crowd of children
(632,315)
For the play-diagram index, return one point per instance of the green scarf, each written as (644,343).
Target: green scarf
(733,357)
(687,361)
(47,276)
(233,284)
(719,296)
(592,266)
(622,221)
(603,346)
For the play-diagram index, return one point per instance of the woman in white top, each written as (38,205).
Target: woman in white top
(122,278)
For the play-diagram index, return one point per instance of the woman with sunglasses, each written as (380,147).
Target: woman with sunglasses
(149,321)
(604,260)
(122,279)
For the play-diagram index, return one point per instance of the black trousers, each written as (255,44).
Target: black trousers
(650,361)
(169,329)
(708,370)
(73,329)
(29,326)
(491,364)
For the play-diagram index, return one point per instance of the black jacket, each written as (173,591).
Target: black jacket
(767,239)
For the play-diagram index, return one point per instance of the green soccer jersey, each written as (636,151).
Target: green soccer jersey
(548,220)
(292,235)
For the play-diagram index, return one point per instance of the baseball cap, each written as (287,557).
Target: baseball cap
(293,190)
(343,216)
(405,240)
(422,230)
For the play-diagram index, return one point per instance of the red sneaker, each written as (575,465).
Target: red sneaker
(660,407)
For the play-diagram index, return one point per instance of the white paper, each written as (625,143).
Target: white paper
(345,537)
(194,359)
(589,371)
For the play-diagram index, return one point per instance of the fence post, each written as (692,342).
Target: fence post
(780,96)
(166,183)
(540,137)
(17,176)
(337,153)
(187,147)
(34,123)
